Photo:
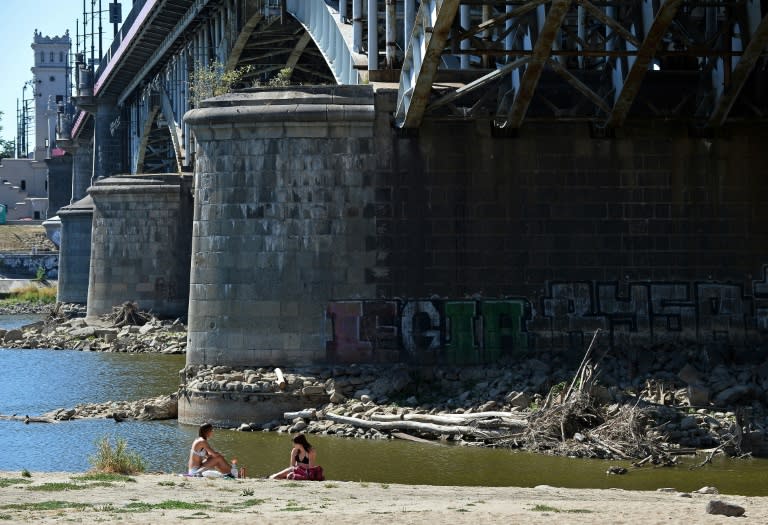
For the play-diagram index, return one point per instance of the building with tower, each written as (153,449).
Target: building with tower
(35,185)
(51,82)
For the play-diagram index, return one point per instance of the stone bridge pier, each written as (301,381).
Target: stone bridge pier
(282,183)
(323,233)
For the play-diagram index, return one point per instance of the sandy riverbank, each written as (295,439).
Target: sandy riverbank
(154,498)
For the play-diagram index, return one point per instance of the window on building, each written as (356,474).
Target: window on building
(42,56)
(51,56)
(61,56)
(23,185)
(37,215)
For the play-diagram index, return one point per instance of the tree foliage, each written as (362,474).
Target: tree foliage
(7,147)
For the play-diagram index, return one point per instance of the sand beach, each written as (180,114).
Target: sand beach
(169,498)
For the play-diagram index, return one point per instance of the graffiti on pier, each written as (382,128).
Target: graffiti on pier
(642,313)
(427,331)
(563,316)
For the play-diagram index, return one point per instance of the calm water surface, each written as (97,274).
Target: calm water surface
(35,381)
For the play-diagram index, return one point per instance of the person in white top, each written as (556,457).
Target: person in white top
(203,457)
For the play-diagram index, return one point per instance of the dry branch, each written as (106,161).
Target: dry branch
(127,314)
(426,428)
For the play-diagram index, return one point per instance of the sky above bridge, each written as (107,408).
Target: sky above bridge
(18,21)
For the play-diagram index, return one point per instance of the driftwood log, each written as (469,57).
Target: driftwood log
(308,413)
(279,379)
(501,419)
(429,428)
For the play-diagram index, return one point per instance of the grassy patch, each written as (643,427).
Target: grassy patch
(385,485)
(26,474)
(548,508)
(58,486)
(293,484)
(104,476)
(46,505)
(167,483)
(293,506)
(31,293)
(252,502)
(7,482)
(171,504)
(246,492)
(331,486)
(5,517)
(196,516)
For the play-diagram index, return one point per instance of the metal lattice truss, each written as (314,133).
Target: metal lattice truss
(704,61)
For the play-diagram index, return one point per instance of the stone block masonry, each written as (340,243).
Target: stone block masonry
(140,245)
(75,255)
(279,228)
(321,233)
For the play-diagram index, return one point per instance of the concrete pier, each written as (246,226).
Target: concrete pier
(75,252)
(141,230)
(280,223)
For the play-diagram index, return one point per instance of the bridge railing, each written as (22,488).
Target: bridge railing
(318,20)
(138,5)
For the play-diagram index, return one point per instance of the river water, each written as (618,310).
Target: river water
(36,381)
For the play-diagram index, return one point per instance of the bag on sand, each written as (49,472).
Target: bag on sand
(307,473)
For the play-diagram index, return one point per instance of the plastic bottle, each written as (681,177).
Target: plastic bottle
(234,468)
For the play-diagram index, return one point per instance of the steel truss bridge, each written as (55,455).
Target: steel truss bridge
(701,62)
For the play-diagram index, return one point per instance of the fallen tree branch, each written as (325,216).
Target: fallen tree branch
(412,425)
(501,418)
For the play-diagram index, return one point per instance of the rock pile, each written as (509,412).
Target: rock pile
(161,407)
(367,392)
(159,336)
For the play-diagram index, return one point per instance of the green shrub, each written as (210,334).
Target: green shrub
(213,80)
(117,460)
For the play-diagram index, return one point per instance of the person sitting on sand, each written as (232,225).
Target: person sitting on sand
(303,464)
(203,457)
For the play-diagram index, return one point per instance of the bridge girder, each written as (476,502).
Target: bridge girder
(603,62)
(614,60)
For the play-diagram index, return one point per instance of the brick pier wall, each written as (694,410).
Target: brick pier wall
(355,242)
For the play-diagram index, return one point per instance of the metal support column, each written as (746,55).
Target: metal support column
(464,20)
(373,36)
(357,26)
(391,33)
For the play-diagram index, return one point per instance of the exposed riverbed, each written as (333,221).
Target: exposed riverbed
(47,379)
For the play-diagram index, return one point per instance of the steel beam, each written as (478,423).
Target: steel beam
(476,84)
(173,129)
(625,97)
(598,14)
(542,50)
(580,86)
(757,42)
(298,50)
(430,33)
(242,40)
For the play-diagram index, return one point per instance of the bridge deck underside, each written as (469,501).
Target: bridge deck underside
(277,44)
